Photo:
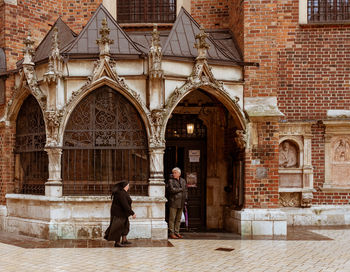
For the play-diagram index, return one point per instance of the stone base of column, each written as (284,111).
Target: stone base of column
(53,189)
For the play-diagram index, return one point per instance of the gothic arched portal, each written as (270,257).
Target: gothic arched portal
(104,142)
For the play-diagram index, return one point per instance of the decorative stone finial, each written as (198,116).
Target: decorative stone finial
(55,42)
(28,50)
(201,43)
(55,60)
(104,41)
(155,55)
(155,37)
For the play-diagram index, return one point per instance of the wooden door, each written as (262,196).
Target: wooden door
(190,157)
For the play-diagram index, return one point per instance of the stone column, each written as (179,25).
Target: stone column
(156,186)
(53,186)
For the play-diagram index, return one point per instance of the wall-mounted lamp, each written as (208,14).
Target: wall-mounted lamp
(190,128)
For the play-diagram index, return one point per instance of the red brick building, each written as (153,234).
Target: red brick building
(265,85)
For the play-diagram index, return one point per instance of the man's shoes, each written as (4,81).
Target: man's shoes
(179,235)
(116,244)
(173,236)
(126,242)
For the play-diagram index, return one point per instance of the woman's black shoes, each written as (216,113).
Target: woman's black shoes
(116,244)
(126,242)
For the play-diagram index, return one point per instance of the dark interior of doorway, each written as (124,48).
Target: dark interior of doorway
(180,147)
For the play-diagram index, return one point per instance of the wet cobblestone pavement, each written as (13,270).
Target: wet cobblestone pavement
(304,249)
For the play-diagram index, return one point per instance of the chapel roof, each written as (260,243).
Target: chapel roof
(85,43)
(177,43)
(181,40)
(65,35)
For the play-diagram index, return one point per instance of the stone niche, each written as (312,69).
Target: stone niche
(295,169)
(337,156)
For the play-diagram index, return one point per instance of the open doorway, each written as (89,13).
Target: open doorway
(200,140)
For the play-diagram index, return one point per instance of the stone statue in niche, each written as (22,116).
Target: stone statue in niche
(342,151)
(287,155)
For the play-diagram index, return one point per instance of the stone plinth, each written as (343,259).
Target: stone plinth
(257,222)
(79,217)
(319,215)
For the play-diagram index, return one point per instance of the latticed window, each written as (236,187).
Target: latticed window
(31,171)
(104,142)
(146,11)
(328,10)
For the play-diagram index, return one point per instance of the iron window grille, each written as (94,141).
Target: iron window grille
(328,11)
(30,157)
(146,11)
(104,142)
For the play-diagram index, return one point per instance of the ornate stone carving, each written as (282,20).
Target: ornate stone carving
(28,50)
(341,150)
(155,55)
(104,42)
(340,160)
(241,139)
(201,44)
(287,155)
(55,65)
(157,121)
(53,122)
(306,199)
(290,199)
(33,85)
(29,72)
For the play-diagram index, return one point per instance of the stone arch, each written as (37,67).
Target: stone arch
(217,91)
(16,102)
(129,94)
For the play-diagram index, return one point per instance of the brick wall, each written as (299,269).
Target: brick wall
(211,13)
(7,140)
(314,76)
(38,17)
(2,20)
(76,13)
(236,22)
(260,34)
(261,168)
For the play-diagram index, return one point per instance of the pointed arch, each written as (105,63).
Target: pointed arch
(214,89)
(133,97)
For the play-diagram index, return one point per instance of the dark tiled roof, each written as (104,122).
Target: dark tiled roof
(2,61)
(225,40)
(143,39)
(181,40)
(85,43)
(65,37)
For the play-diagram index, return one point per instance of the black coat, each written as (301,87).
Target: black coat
(121,205)
(177,190)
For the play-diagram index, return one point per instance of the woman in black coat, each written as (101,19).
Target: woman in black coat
(120,212)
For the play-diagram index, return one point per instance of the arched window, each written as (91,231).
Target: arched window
(104,142)
(31,171)
(146,11)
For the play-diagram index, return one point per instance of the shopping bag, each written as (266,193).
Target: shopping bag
(183,219)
